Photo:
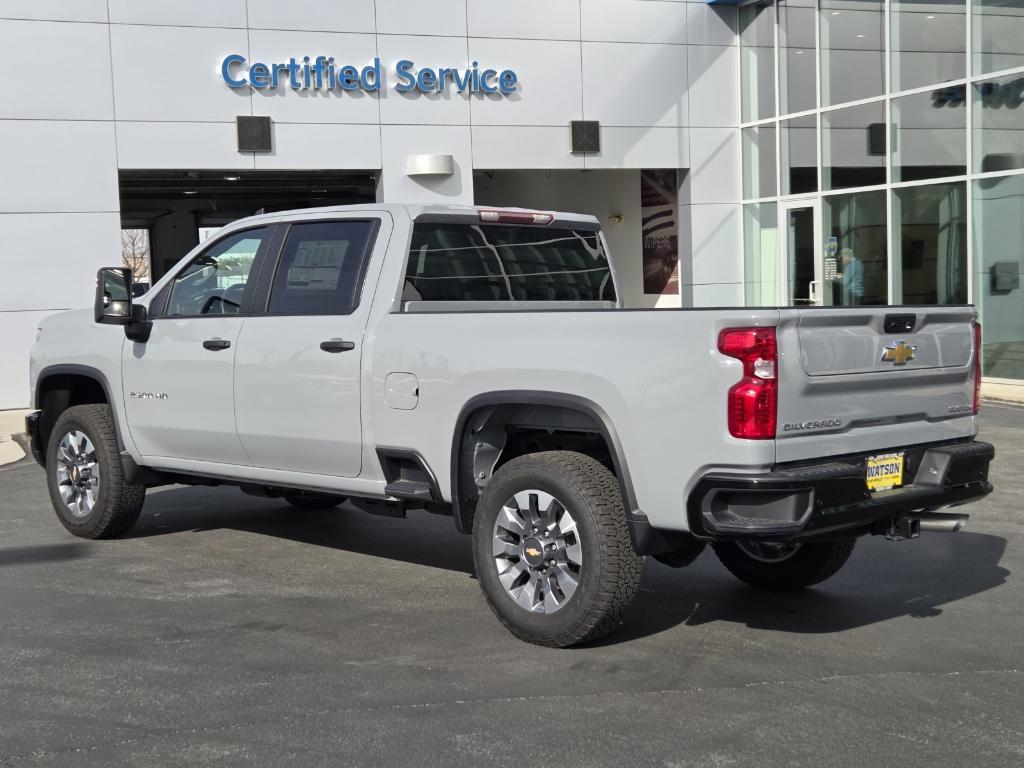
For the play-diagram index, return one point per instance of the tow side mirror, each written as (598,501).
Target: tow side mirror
(113,304)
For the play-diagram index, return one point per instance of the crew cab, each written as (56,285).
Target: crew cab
(479,363)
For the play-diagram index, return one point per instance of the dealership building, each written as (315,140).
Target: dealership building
(752,154)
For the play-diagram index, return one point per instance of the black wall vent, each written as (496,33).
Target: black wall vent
(253,134)
(586,136)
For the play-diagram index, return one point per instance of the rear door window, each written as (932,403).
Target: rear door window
(321,268)
(496,262)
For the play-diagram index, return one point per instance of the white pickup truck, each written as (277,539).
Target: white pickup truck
(478,363)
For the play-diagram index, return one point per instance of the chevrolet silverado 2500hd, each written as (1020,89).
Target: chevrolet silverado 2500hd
(478,363)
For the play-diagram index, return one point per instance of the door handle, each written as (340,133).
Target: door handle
(337,345)
(216,345)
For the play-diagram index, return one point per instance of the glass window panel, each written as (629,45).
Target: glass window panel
(929,135)
(321,268)
(998,223)
(853,146)
(213,283)
(759,161)
(852,41)
(929,42)
(796,56)
(760,259)
(798,142)
(930,233)
(998,27)
(757,61)
(858,222)
(999,124)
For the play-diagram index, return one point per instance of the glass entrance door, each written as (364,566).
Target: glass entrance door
(803,259)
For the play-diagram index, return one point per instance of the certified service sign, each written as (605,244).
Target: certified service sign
(322,73)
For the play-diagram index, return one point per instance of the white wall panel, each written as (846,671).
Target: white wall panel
(717,295)
(76,172)
(284,104)
(17,335)
(83,51)
(713,245)
(60,251)
(314,146)
(549,82)
(713,73)
(710,24)
(634,21)
(319,15)
(54,10)
(438,17)
(714,167)
(447,107)
(154,81)
(180,145)
(640,148)
(523,146)
(525,19)
(183,13)
(635,84)
(400,141)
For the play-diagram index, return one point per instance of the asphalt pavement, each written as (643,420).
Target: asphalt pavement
(227,630)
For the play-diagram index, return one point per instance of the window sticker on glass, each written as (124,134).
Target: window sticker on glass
(318,264)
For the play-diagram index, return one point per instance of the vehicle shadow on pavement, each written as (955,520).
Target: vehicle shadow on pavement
(421,539)
(41,553)
(882,581)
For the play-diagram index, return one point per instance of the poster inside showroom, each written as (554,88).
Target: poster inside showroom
(659,212)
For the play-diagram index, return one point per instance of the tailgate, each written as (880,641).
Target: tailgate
(864,378)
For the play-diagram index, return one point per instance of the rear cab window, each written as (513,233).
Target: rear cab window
(462,262)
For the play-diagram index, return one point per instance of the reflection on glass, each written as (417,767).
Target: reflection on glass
(852,41)
(998,28)
(929,42)
(757,60)
(998,223)
(798,143)
(796,55)
(930,136)
(760,265)
(759,161)
(858,273)
(999,124)
(930,233)
(853,146)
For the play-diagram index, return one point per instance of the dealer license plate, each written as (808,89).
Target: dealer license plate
(884,471)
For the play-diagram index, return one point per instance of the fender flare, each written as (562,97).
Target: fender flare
(464,516)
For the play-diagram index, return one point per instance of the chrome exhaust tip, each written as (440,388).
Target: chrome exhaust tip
(951,525)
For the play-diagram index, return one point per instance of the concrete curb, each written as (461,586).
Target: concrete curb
(11,423)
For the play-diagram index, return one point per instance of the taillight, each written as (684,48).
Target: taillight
(753,402)
(977,366)
(515,217)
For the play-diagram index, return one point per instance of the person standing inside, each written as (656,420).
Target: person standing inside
(852,277)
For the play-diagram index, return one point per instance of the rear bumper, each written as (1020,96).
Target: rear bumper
(32,430)
(818,499)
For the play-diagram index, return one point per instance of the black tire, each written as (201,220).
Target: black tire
(313,501)
(117,502)
(810,564)
(610,570)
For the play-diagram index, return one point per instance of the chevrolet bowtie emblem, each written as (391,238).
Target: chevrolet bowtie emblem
(898,353)
(533,552)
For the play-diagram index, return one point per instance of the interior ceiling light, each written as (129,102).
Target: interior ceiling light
(232,178)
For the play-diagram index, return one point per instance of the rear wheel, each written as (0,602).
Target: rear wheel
(552,550)
(85,477)
(783,565)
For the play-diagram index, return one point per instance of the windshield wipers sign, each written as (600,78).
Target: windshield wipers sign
(322,73)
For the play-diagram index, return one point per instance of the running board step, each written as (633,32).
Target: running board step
(410,490)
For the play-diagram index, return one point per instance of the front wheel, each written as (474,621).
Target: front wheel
(88,489)
(552,549)
(784,565)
